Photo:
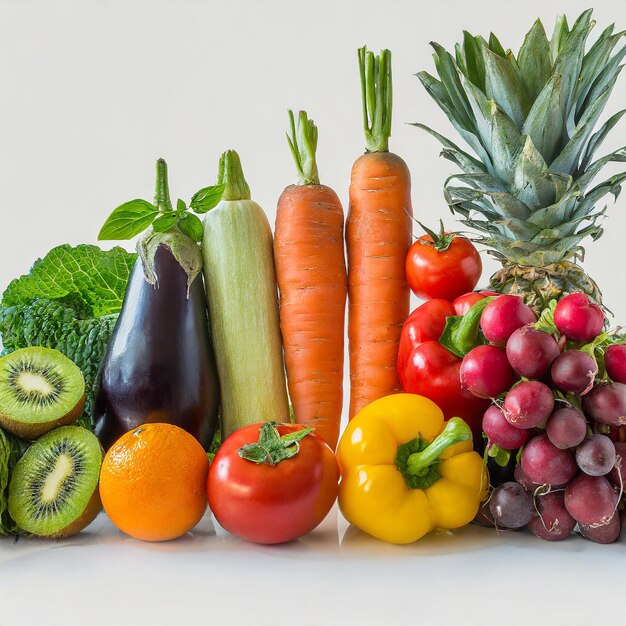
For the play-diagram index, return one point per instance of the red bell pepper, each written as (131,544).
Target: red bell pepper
(428,368)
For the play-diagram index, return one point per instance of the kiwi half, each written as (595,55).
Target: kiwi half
(40,389)
(54,486)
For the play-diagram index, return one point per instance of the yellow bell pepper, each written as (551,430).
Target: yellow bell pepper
(406,472)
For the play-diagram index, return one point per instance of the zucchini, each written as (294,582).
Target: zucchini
(242,297)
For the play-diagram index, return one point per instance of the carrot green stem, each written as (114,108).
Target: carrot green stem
(161,190)
(377,98)
(303,143)
(230,173)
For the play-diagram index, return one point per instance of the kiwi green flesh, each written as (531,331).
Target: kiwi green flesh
(53,485)
(39,387)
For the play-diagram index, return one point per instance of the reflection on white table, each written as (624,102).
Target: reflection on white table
(334,575)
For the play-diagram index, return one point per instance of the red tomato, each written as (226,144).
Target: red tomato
(436,271)
(464,303)
(272,503)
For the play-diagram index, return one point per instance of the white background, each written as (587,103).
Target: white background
(91,94)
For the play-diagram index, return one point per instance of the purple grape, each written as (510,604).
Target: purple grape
(531,352)
(528,404)
(590,499)
(553,522)
(511,506)
(596,455)
(604,533)
(566,427)
(606,404)
(574,371)
(544,463)
(500,432)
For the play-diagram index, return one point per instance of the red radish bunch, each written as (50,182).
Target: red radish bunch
(552,401)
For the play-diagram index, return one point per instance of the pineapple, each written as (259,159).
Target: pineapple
(530,120)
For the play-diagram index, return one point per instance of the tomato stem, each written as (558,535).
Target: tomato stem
(271,448)
(441,240)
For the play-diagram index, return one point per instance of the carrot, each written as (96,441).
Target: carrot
(378,237)
(311,272)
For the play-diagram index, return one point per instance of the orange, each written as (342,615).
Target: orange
(153,482)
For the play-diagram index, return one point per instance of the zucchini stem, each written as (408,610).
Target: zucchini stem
(303,143)
(230,174)
(376,97)
(162,190)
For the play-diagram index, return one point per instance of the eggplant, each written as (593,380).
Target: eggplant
(159,365)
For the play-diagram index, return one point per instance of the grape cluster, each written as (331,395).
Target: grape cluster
(558,387)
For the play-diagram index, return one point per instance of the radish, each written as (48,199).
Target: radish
(590,500)
(606,404)
(578,318)
(615,362)
(511,506)
(566,427)
(618,474)
(544,463)
(503,316)
(607,533)
(531,352)
(521,477)
(596,455)
(485,372)
(500,432)
(528,404)
(552,522)
(574,371)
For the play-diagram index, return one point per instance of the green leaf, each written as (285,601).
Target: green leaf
(559,36)
(181,207)
(191,226)
(86,274)
(128,220)
(597,138)
(569,158)
(545,322)
(207,198)
(164,222)
(474,61)
(534,60)
(503,84)
(297,435)
(500,455)
(544,124)
(496,46)
(470,134)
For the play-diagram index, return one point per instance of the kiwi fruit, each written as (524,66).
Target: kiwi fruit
(40,389)
(54,486)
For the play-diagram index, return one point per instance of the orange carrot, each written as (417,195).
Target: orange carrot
(378,237)
(311,272)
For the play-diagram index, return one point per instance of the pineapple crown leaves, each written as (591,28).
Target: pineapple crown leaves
(530,120)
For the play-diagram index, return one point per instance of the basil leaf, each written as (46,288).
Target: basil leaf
(191,226)
(164,222)
(207,198)
(181,207)
(128,220)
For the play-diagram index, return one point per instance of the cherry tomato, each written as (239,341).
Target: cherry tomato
(442,266)
(272,503)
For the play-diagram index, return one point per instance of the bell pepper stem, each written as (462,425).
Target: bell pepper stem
(456,431)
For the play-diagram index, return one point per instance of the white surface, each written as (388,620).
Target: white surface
(332,576)
(91,94)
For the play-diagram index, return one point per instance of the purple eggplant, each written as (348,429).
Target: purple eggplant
(159,365)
